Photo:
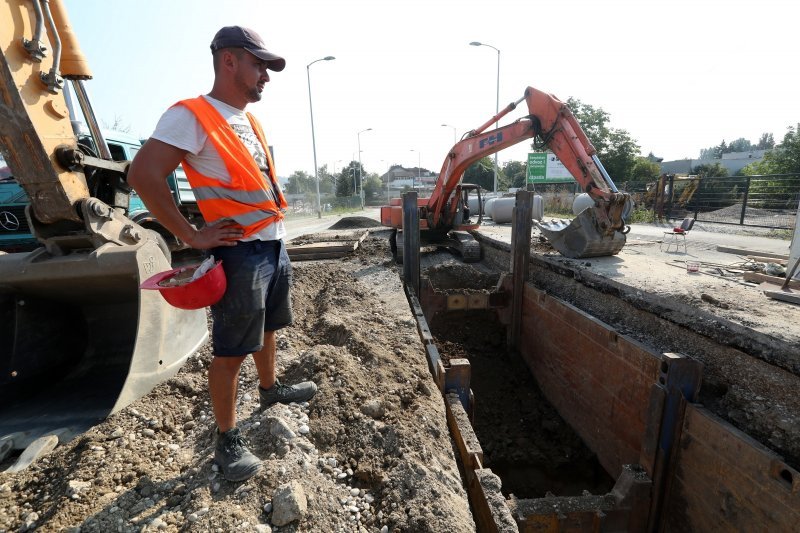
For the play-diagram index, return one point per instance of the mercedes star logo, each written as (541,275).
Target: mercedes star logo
(9,221)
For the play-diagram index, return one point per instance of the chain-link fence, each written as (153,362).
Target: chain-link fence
(768,201)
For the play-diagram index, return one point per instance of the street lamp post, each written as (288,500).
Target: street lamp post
(454,131)
(360,176)
(497,101)
(313,138)
(388,181)
(419,169)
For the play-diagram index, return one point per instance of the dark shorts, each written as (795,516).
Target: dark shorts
(259,277)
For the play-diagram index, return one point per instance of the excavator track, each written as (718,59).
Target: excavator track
(465,245)
(459,242)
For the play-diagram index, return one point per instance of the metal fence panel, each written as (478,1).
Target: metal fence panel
(768,201)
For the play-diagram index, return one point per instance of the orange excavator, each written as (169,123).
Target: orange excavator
(445,218)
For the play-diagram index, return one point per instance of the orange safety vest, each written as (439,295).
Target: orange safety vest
(248,199)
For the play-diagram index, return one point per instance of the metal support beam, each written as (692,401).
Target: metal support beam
(520,259)
(411,241)
(679,380)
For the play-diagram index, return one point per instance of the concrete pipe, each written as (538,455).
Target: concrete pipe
(488,207)
(503,209)
(582,201)
(473,205)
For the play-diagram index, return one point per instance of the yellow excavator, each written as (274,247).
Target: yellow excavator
(79,340)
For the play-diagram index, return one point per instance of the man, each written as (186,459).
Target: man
(227,161)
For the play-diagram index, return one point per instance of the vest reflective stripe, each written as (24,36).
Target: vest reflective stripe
(248,197)
(249,200)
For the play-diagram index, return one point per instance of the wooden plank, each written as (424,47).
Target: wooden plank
(598,381)
(432,353)
(467,443)
(725,481)
(765,259)
(743,251)
(457,380)
(493,514)
(331,236)
(326,246)
(758,277)
(775,292)
(317,256)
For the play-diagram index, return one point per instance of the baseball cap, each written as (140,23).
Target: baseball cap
(239,37)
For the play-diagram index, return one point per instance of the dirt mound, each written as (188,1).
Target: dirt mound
(459,276)
(370,451)
(356,222)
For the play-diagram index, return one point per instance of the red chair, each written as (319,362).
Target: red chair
(677,235)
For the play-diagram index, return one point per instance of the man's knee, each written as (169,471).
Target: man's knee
(226,364)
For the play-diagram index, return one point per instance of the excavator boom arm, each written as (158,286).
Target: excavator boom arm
(550,120)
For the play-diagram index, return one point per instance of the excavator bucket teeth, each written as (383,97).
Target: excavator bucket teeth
(581,237)
(79,340)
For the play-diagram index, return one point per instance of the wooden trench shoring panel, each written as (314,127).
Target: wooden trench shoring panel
(625,508)
(678,467)
(631,405)
(723,480)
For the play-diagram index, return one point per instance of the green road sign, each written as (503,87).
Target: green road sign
(544,167)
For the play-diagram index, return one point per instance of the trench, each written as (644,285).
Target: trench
(525,440)
(600,423)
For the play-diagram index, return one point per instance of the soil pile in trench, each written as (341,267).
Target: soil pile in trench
(370,452)
(355,223)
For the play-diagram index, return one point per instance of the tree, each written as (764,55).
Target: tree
(326,180)
(645,170)
(616,149)
(766,142)
(619,158)
(711,170)
(785,159)
(481,173)
(119,124)
(777,193)
(515,173)
(299,183)
(715,192)
(345,181)
(373,187)
(714,152)
(740,145)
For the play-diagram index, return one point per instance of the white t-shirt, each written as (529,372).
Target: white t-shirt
(179,127)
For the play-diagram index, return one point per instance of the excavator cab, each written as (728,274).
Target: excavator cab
(79,339)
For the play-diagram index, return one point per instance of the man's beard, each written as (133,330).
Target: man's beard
(253,95)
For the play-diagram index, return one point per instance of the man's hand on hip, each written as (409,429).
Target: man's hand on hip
(224,234)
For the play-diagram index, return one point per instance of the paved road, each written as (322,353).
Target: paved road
(708,235)
(300,226)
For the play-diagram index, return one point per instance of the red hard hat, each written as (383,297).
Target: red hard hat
(202,292)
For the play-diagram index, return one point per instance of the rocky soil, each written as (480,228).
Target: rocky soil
(371,452)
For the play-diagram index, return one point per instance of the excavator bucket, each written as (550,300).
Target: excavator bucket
(79,340)
(582,237)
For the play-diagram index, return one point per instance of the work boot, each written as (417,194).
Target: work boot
(280,393)
(233,457)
